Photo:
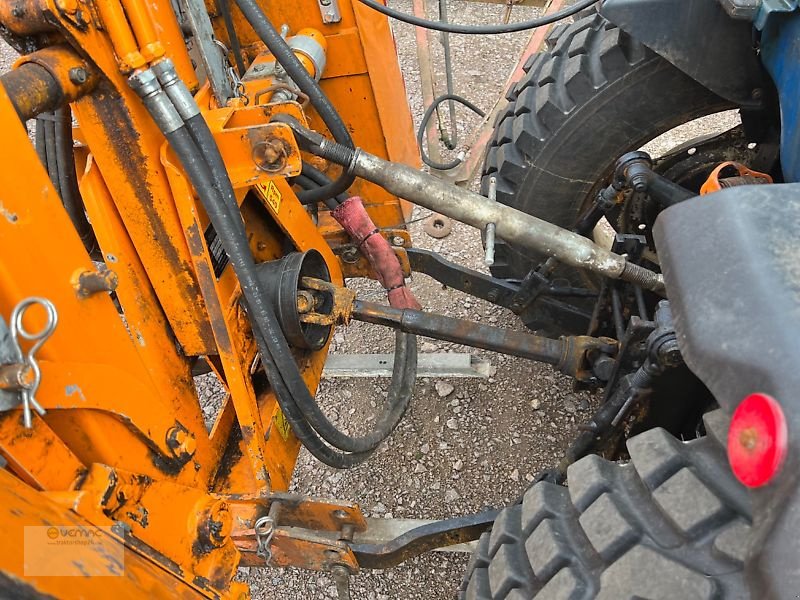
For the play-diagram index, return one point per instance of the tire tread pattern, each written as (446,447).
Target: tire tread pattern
(581,58)
(671,522)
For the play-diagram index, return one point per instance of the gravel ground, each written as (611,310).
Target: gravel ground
(465,443)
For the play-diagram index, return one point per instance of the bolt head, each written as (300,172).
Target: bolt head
(350,255)
(78,75)
(181,441)
(221,523)
(398,241)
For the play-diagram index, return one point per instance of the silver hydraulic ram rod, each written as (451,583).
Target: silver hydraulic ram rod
(511,225)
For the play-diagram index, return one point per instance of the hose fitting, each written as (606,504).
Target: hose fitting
(176,89)
(145,84)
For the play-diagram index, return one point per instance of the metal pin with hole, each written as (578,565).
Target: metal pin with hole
(489,237)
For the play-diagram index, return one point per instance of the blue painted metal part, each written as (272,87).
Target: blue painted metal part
(769,7)
(780,53)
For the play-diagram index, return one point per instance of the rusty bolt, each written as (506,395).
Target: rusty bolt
(270,155)
(124,492)
(78,75)
(306,301)
(350,255)
(181,442)
(219,523)
(87,282)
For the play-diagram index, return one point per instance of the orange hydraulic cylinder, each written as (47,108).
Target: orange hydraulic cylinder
(120,33)
(144,29)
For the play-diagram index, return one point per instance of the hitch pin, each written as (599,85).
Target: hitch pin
(489,233)
(18,332)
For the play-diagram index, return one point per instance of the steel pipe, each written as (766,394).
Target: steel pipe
(460,331)
(512,225)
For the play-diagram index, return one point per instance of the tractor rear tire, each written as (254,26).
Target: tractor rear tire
(671,523)
(594,95)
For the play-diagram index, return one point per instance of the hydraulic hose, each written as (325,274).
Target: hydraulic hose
(54,145)
(223,7)
(51,162)
(197,150)
(267,329)
(479,29)
(424,123)
(68,178)
(309,184)
(320,180)
(308,85)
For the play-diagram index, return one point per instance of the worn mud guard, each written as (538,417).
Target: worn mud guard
(678,30)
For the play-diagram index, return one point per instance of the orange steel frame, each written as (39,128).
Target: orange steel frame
(124,429)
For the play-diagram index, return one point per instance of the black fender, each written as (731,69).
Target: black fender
(700,39)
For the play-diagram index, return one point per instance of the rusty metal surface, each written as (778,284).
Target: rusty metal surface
(91,282)
(46,79)
(296,510)
(580,352)
(340,310)
(572,355)
(461,331)
(294,547)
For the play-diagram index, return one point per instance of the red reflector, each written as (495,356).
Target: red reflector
(757,440)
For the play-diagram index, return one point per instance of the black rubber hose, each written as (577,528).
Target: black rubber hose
(235,243)
(424,123)
(51,162)
(224,9)
(479,29)
(233,237)
(304,432)
(308,184)
(68,179)
(39,141)
(320,179)
(308,85)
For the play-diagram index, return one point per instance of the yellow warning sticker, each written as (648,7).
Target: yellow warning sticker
(281,424)
(271,194)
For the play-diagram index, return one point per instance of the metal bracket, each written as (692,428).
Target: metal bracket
(329,9)
(211,54)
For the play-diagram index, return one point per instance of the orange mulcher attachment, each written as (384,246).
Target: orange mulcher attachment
(729,174)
